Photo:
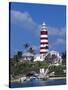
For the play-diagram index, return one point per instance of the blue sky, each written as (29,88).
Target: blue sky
(25,23)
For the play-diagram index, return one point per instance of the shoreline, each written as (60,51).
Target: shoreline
(56,78)
(51,78)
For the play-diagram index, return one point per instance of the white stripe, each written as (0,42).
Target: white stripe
(44,27)
(42,40)
(44,36)
(43,45)
(43,30)
(43,50)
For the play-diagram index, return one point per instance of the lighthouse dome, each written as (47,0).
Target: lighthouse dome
(43,27)
(44,24)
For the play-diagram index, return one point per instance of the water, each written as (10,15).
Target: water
(35,82)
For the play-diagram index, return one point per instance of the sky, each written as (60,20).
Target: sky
(25,23)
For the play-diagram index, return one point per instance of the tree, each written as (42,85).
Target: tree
(59,71)
(64,57)
(26,45)
(15,58)
(19,54)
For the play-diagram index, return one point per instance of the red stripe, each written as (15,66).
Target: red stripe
(43,52)
(44,32)
(44,47)
(44,43)
(43,38)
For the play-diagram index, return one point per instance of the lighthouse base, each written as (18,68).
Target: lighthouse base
(39,58)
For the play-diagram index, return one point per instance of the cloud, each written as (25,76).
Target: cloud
(57,31)
(26,22)
(35,47)
(60,37)
(23,19)
(60,42)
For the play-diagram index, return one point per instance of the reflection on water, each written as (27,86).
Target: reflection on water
(34,82)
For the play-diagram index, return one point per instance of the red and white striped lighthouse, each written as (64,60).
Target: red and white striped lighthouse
(43,40)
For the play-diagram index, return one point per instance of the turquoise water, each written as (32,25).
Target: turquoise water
(34,83)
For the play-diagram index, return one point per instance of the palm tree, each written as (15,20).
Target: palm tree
(31,50)
(16,59)
(26,45)
(19,54)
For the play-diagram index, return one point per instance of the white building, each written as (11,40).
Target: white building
(38,57)
(27,56)
(54,57)
(42,71)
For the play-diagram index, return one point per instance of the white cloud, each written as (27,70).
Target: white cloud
(35,47)
(23,19)
(58,42)
(60,34)
(57,31)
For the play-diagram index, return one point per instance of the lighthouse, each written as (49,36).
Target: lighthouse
(43,43)
(43,40)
